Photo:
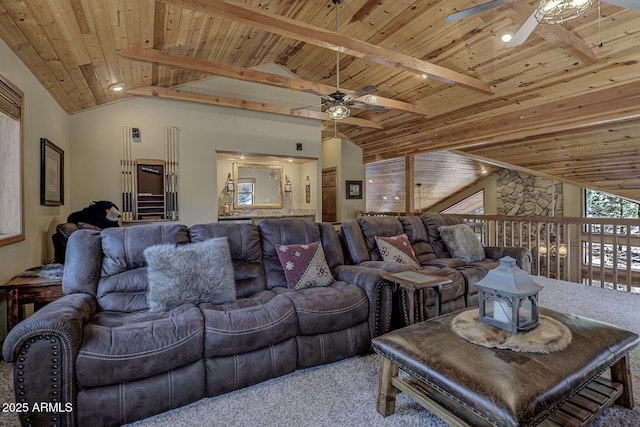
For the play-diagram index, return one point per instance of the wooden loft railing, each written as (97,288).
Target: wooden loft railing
(595,251)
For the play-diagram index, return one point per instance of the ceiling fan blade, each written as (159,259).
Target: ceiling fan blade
(365,106)
(362,92)
(524,32)
(627,4)
(477,9)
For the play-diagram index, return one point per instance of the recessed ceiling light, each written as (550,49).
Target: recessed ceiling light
(117,87)
(506,37)
(424,76)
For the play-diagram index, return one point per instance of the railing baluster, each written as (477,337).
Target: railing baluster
(602,260)
(590,254)
(567,258)
(614,262)
(629,257)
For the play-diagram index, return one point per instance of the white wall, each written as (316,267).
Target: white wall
(347,158)
(352,170)
(203,129)
(43,117)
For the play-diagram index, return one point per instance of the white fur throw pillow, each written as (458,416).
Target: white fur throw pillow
(191,273)
(462,242)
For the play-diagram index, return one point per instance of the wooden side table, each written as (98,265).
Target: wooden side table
(29,290)
(414,283)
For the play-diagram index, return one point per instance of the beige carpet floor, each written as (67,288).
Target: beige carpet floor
(344,393)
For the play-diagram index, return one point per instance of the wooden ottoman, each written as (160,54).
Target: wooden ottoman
(467,384)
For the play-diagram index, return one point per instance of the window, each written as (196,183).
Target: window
(473,205)
(613,246)
(246,188)
(11,158)
(603,205)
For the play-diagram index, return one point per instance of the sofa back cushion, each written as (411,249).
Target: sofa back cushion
(123,279)
(416,231)
(283,232)
(246,253)
(83,263)
(362,243)
(432,222)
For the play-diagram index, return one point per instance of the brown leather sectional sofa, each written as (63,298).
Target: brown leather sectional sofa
(100,351)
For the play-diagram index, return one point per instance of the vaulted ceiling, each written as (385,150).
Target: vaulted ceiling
(565,104)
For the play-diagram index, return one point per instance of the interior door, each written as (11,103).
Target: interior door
(329,194)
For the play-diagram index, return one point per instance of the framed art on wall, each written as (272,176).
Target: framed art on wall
(354,189)
(51,174)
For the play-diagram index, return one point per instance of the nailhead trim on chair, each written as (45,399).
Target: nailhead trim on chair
(55,376)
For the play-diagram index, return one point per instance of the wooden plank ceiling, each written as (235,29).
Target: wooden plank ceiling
(559,105)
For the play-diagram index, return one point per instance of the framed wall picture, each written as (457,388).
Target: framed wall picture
(51,174)
(354,189)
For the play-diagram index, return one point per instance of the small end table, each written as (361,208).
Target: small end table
(29,290)
(414,283)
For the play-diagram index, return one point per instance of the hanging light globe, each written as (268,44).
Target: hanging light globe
(559,11)
(337,112)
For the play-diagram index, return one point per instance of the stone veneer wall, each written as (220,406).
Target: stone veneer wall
(521,194)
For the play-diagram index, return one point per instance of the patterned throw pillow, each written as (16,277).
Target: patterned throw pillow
(397,249)
(304,265)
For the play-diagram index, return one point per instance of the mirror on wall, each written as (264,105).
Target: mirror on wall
(257,186)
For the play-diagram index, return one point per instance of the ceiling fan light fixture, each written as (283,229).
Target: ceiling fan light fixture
(337,112)
(559,11)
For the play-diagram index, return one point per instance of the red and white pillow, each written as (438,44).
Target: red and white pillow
(304,265)
(397,249)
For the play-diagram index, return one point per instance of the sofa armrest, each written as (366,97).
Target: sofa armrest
(43,349)
(521,255)
(378,293)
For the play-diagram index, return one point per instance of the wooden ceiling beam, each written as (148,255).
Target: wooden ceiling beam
(296,30)
(201,98)
(158,57)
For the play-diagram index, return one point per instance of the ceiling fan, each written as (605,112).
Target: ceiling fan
(337,103)
(549,12)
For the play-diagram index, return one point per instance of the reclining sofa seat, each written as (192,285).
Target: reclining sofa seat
(101,349)
(359,239)
(431,251)
(473,272)
(332,320)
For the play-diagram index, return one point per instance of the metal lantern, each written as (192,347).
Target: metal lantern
(508,298)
